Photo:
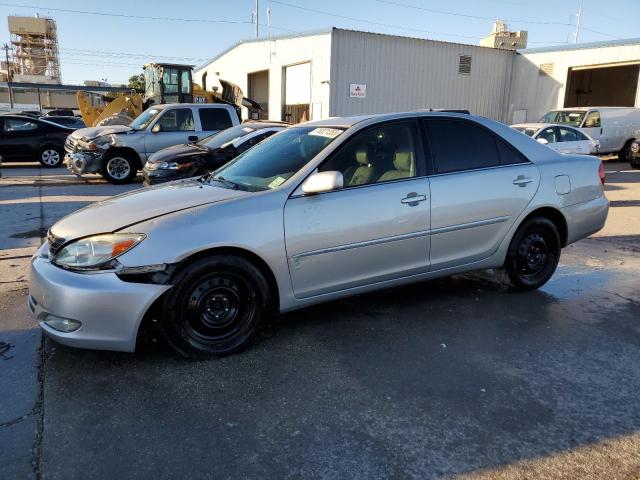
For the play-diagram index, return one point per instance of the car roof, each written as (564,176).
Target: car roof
(350,121)
(534,125)
(263,124)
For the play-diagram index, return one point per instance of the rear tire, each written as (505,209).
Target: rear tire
(533,255)
(119,168)
(625,154)
(215,308)
(50,157)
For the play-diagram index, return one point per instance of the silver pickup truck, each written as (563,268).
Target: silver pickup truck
(117,152)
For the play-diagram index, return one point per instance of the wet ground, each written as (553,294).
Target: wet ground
(450,378)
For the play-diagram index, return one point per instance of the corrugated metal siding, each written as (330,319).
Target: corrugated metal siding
(407,73)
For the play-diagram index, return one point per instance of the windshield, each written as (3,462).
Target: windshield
(527,130)
(145,118)
(225,136)
(269,164)
(564,117)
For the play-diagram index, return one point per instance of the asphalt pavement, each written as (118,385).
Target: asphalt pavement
(453,378)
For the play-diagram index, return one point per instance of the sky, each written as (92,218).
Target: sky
(112,40)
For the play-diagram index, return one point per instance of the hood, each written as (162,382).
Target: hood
(90,133)
(121,211)
(176,152)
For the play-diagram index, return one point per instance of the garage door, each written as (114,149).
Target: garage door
(297,92)
(598,85)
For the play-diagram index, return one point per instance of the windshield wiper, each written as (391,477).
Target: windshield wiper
(228,183)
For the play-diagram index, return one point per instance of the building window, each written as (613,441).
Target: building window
(464,67)
(546,69)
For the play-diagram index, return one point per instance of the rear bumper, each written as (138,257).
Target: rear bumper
(584,219)
(110,310)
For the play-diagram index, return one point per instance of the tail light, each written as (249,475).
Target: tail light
(601,173)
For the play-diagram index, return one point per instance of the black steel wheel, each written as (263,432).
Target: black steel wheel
(533,255)
(215,307)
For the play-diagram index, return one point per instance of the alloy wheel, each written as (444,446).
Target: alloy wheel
(118,168)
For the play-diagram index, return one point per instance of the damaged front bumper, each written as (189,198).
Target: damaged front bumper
(83,162)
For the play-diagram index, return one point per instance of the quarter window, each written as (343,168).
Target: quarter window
(380,154)
(177,120)
(461,145)
(214,119)
(592,120)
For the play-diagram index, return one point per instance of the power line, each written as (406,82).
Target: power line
(380,24)
(124,15)
(465,15)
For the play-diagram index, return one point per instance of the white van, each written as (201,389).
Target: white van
(614,127)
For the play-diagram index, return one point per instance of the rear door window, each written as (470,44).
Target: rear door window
(214,119)
(458,145)
(18,125)
(568,135)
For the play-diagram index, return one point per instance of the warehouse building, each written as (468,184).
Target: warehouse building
(344,72)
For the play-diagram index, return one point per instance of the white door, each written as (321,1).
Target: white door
(571,141)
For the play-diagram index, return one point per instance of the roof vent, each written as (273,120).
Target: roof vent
(546,69)
(464,67)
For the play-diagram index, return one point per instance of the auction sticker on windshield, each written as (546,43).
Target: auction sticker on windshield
(326,132)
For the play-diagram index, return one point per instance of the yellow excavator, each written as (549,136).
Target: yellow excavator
(164,83)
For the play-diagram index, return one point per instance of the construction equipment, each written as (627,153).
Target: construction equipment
(164,83)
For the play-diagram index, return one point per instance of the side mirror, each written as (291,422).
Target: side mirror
(156,128)
(323,182)
(543,141)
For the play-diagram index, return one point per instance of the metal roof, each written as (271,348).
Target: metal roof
(584,46)
(309,33)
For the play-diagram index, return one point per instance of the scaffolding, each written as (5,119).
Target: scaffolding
(34,43)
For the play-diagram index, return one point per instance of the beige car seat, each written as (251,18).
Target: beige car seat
(365,172)
(404,167)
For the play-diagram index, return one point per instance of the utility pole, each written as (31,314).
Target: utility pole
(269,23)
(577,32)
(257,19)
(9,74)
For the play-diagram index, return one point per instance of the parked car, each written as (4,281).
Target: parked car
(60,112)
(71,122)
(25,138)
(561,138)
(635,154)
(322,210)
(117,152)
(191,159)
(615,128)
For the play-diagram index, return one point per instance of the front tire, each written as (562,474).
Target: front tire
(215,308)
(625,155)
(533,255)
(119,168)
(50,157)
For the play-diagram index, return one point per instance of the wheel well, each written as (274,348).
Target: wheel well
(128,151)
(556,217)
(258,262)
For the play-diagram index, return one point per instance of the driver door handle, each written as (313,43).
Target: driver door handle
(412,199)
(192,138)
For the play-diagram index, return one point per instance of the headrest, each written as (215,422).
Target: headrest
(361,157)
(403,161)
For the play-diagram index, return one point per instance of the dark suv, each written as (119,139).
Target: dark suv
(24,138)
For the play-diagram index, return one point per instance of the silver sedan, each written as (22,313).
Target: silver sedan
(320,211)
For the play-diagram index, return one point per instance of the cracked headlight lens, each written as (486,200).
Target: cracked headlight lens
(90,253)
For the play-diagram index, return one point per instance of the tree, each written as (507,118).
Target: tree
(136,81)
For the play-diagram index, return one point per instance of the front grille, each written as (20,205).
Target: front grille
(70,144)
(55,243)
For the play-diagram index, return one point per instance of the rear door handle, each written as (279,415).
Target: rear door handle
(522,181)
(412,199)
(192,138)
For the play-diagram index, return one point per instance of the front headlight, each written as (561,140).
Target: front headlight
(174,166)
(94,252)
